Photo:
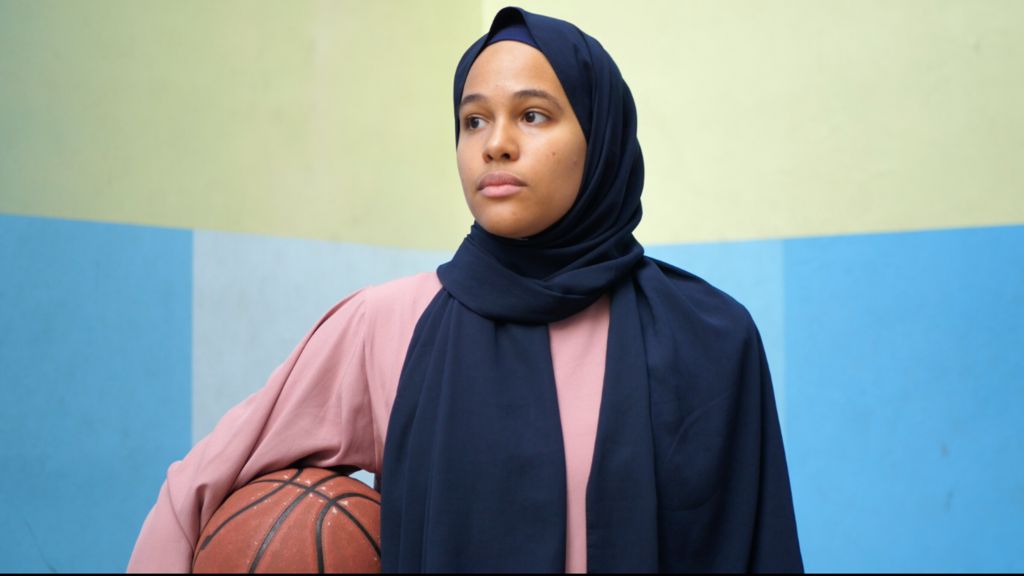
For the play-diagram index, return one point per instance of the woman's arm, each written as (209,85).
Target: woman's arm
(315,408)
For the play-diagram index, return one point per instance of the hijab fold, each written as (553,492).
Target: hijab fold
(689,471)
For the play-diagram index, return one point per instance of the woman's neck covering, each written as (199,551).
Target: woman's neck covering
(689,471)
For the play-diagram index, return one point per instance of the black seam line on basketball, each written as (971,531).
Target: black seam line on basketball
(320,527)
(303,486)
(320,540)
(311,489)
(324,496)
(334,504)
(206,541)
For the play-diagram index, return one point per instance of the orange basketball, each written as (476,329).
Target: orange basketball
(297,520)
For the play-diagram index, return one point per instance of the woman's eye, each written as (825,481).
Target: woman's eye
(532,115)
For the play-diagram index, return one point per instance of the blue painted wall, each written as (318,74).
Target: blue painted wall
(95,369)
(905,395)
(896,358)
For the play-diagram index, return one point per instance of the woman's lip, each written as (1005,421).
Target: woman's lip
(500,178)
(500,191)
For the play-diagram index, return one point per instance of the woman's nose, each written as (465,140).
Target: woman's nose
(502,143)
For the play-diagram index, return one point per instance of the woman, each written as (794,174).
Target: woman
(551,399)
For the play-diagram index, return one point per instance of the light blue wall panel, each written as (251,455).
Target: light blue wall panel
(905,393)
(95,352)
(257,296)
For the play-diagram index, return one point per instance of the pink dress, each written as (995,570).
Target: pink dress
(328,405)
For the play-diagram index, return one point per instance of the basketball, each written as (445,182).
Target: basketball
(300,520)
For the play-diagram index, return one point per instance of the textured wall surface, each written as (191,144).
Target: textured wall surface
(186,187)
(95,359)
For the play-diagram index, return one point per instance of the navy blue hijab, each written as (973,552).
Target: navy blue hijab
(688,472)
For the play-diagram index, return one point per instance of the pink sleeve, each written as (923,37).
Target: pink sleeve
(315,409)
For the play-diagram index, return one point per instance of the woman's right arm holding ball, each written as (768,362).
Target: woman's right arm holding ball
(314,409)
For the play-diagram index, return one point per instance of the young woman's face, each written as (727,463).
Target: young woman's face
(519,133)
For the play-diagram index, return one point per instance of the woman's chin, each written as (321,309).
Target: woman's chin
(511,234)
(512,230)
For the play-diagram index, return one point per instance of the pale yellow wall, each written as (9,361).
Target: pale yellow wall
(319,119)
(806,117)
(332,120)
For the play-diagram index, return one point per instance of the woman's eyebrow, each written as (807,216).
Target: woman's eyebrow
(520,95)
